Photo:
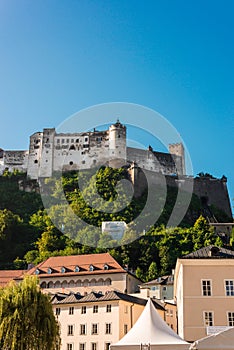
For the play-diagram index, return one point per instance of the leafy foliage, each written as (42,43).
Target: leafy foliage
(27,321)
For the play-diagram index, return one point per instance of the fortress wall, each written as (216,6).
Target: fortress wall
(213,192)
(153,161)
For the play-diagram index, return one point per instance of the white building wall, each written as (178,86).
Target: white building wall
(100,318)
(180,302)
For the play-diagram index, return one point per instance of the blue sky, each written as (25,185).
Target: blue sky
(176,57)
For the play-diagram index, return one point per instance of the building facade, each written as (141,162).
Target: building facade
(84,274)
(50,151)
(204,292)
(95,321)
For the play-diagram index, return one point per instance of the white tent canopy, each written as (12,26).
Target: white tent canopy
(151,330)
(219,341)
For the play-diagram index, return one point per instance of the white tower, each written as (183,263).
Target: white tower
(117,145)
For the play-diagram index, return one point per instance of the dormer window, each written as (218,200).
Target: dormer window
(106,267)
(91,267)
(63,269)
(37,271)
(49,270)
(77,269)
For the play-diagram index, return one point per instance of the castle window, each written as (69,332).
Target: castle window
(72,147)
(71,162)
(86,139)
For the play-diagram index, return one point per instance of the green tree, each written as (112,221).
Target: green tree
(27,321)
(153,271)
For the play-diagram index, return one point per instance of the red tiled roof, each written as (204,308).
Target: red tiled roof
(82,261)
(9,275)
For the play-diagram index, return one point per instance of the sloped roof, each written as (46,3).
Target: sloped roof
(82,261)
(151,329)
(210,252)
(9,275)
(94,297)
(219,341)
(163,280)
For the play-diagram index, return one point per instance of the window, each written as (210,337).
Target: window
(208,318)
(58,140)
(86,139)
(82,346)
(229,287)
(93,346)
(57,311)
(83,309)
(125,328)
(71,310)
(206,288)
(94,328)
(108,308)
(70,346)
(230,316)
(95,309)
(106,267)
(70,329)
(49,270)
(107,346)
(82,329)
(63,270)
(77,269)
(108,328)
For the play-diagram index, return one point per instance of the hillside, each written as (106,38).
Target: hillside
(27,234)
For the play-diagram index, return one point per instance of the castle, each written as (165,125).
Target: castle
(50,151)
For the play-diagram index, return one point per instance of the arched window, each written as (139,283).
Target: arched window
(37,271)
(50,285)
(63,269)
(64,284)
(57,284)
(91,267)
(108,282)
(93,282)
(100,282)
(86,283)
(49,270)
(78,283)
(106,267)
(77,269)
(43,285)
(71,284)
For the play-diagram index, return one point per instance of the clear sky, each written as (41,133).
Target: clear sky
(176,57)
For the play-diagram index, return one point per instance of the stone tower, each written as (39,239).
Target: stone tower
(117,145)
(178,150)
